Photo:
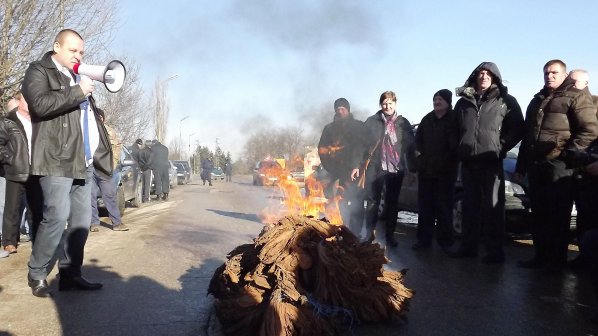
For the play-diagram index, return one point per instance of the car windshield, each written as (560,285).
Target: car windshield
(179,167)
(217,171)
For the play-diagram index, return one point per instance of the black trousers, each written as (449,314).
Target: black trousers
(16,192)
(483,206)
(161,181)
(146,181)
(586,201)
(375,182)
(551,195)
(435,198)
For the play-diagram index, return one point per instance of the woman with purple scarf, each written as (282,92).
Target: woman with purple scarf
(391,152)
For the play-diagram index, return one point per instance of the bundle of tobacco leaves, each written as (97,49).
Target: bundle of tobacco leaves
(304,276)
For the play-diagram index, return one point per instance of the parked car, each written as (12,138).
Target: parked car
(217,174)
(266,173)
(183,175)
(186,165)
(172,175)
(298,176)
(517,204)
(128,183)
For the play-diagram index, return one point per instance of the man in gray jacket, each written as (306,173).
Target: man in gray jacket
(68,140)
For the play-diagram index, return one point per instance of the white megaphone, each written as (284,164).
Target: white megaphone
(112,75)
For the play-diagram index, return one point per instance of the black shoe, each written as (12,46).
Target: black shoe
(39,288)
(210,184)
(165,197)
(534,263)
(420,246)
(76,282)
(463,253)
(498,258)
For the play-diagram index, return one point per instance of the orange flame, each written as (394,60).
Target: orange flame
(311,202)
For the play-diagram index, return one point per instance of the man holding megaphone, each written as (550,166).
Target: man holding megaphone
(68,142)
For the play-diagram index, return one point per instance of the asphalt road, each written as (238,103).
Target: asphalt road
(155,278)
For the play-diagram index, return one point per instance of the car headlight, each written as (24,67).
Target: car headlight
(512,188)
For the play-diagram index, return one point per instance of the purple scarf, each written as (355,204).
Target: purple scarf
(390,157)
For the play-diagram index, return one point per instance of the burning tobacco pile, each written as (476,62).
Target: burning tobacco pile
(304,276)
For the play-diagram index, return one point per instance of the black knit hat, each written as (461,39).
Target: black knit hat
(139,142)
(447,95)
(342,102)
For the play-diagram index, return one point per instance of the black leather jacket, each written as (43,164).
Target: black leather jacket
(14,150)
(57,141)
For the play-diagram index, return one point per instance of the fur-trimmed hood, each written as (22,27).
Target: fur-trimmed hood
(468,89)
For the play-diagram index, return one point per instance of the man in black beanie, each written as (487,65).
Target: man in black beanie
(341,149)
(436,143)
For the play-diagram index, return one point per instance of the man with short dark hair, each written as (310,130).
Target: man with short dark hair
(490,124)
(559,118)
(68,140)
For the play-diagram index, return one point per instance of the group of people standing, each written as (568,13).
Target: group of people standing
(472,139)
(152,158)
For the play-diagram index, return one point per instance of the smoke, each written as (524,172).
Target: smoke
(309,27)
(329,40)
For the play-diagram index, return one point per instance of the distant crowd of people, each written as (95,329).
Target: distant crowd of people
(557,157)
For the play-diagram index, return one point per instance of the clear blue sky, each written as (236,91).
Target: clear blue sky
(282,59)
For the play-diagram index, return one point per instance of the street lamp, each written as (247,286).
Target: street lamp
(181,134)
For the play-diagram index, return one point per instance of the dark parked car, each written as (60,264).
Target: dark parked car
(266,173)
(183,175)
(186,165)
(517,205)
(128,183)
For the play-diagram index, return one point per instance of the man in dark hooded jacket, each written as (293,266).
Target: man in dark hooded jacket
(341,149)
(490,124)
(560,119)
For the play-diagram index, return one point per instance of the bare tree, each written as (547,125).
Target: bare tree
(274,143)
(161,110)
(28,28)
(175,149)
(129,110)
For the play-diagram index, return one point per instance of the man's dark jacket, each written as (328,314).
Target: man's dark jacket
(160,156)
(341,147)
(146,158)
(375,129)
(555,122)
(436,142)
(57,140)
(14,149)
(491,124)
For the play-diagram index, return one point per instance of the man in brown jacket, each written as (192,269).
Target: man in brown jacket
(559,118)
